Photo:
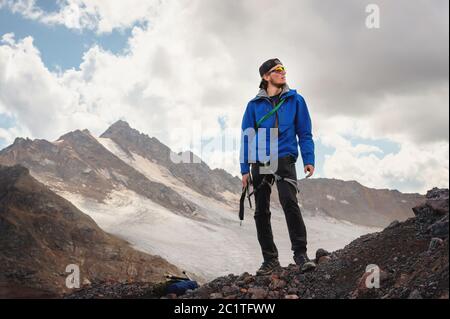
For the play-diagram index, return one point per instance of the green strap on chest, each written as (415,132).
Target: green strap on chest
(272,111)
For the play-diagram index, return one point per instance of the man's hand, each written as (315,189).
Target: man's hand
(245,180)
(309,168)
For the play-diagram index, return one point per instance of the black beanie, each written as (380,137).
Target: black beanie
(266,66)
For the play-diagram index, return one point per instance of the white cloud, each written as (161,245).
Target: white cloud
(8,38)
(27,8)
(415,168)
(39,102)
(99,15)
(421,116)
(196,61)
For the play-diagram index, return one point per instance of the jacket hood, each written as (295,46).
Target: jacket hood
(286,91)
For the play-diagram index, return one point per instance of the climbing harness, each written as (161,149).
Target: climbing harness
(268,179)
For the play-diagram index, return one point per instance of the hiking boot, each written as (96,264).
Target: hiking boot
(268,266)
(301,259)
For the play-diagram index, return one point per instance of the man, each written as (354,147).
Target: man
(290,120)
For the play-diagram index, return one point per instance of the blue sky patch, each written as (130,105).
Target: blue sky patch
(61,47)
(6,121)
(49,5)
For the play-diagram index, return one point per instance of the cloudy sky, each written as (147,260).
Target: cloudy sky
(378,97)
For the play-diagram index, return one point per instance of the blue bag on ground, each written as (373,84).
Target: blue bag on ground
(180,287)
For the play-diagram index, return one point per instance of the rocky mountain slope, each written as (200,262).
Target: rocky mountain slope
(41,233)
(412,258)
(351,201)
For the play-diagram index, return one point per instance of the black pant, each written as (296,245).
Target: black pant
(288,199)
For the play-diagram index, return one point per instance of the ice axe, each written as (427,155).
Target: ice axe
(245,193)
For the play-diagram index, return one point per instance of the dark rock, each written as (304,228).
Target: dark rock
(323,260)
(278,284)
(395,223)
(292,291)
(439,206)
(321,252)
(258,293)
(415,294)
(439,229)
(434,244)
(309,266)
(216,295)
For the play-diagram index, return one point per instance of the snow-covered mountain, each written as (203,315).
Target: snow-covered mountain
(187,212)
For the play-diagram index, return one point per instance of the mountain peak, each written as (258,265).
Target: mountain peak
(119,126)
(20,140)
(18,143)
(121,123)
(121,130)
(76,134)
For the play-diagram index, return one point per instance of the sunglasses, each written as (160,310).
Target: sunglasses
(279,70)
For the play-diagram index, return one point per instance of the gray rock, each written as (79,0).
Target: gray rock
(415,294)
(309,266)
(434,244)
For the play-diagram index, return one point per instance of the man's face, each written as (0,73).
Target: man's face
(276,76)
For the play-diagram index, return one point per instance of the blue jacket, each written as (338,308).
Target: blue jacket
(293,121)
